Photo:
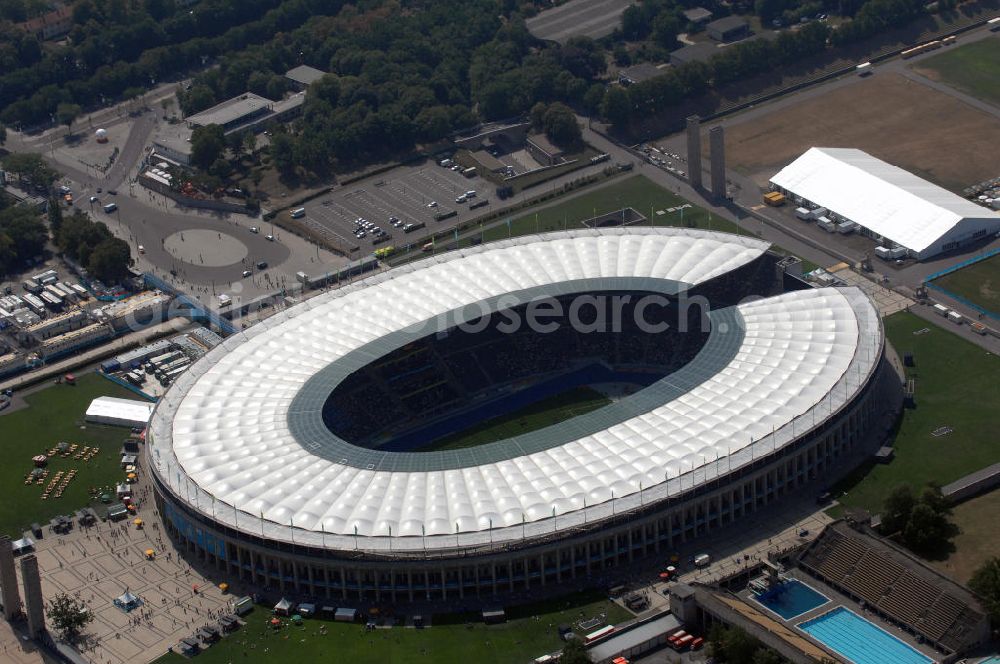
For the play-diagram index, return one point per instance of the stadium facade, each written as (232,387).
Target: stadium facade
(260,468)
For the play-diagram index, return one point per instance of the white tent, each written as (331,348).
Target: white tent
(119,412)
(886,200)
(284,607)
(127,601)
(22,545)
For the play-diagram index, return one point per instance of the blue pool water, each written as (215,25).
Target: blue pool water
(859,640)
(792,598)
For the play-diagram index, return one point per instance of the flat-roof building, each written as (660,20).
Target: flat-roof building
(701,52)
(303,76)
(728,28)
(697,15)
(888,203)
(543,150)
(639,73)
(232,113)
(248,112)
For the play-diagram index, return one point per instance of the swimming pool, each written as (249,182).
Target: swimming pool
(792,598)
(860,641)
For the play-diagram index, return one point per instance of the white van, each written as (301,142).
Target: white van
(702,560)
(298,213)
(110,207)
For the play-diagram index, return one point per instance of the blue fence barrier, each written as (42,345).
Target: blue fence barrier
(929,283)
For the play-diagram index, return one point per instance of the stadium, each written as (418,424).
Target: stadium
(305,453)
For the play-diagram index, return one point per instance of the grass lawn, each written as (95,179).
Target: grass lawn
(979,283)
(973,68)
(538,415)
(956,386)
(638,192)
(449,639)
(53,415)
(977,520)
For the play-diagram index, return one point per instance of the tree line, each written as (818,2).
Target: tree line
(116,48)
(91,244)
(401,78)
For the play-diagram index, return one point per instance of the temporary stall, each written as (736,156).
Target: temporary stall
(243,606)
(284,607)
(23,545)
(127,602)
(345,615)
(119,412)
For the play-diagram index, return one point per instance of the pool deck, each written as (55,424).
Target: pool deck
(836,599)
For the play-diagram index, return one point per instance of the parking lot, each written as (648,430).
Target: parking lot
(413,195)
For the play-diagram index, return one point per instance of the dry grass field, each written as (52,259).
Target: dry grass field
(927,132)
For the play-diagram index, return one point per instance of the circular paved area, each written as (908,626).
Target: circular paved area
(201,246)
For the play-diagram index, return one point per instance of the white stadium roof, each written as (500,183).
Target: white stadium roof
(221,439)
(886,199)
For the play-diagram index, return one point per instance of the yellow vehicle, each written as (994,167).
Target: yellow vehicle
(774,198)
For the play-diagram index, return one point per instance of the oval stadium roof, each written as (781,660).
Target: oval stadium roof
(223,438)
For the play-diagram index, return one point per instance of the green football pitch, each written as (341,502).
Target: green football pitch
(978,283)
(538,415)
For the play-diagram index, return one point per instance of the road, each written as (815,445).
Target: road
(147,219)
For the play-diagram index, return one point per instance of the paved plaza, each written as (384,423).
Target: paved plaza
(100,563)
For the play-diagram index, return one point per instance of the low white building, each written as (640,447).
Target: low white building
(119,412)
(890,204)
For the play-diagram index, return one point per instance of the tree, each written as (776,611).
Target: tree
(250,143)
(666,27)
(933,498)
(765,656)
(110,260)
(593,97)
(30,166)
(282,153)
(897,508)
(25,229)
(985,582)
(3,134)
(574,652)
(221,168)
(561,126)
(66,113)
(433,123)
(207,144)
(537,116)
(69,615)
(634,25)
(616,107)
(54,212)
(926,529)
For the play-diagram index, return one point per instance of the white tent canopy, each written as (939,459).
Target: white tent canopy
(886,200)
(119,412)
